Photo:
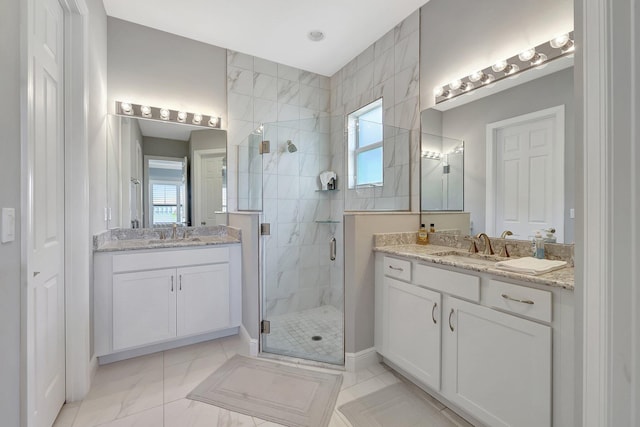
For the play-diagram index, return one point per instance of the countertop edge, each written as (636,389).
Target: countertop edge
(145,245)
(543,279)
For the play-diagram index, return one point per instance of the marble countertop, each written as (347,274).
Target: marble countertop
(135,239)
(563,278)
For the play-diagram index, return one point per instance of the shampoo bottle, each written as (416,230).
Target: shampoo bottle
(423,237)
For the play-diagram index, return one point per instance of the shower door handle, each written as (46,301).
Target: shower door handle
(332,249)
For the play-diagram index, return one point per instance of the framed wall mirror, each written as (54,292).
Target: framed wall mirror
(518,164)
(161,174)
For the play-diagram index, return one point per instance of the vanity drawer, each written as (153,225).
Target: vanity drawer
(398,268)
(168,259)
(528,302)
(450,282)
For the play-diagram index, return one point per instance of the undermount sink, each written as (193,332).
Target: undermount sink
(187,240)
(470,258)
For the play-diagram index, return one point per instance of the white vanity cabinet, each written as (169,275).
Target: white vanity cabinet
(412,329)
(483,346)
(498,366)
(145,297)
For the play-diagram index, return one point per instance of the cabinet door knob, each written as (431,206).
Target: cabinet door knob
(450,325)
(172,283)
(435,305)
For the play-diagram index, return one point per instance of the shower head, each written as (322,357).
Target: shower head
(291,147)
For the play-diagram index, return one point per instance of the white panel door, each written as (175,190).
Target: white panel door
(528,180)
(210,182)
(412,330)
(203,299)
(497,366)
(46,285)
(144,307)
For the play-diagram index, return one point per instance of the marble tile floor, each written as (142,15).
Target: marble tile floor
(149,391)
(291,334)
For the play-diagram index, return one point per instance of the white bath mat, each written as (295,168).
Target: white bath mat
(286,395)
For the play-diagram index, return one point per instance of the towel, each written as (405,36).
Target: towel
(529,265)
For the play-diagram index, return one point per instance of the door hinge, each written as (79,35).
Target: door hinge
(265,327)
(265,229)
(265,147)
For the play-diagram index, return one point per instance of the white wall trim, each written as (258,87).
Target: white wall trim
(558,114)
(251,343)
(77,230)
(594,196)
(356,361)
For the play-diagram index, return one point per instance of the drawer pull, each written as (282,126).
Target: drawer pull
(450,325)
(396,268)
(435,305)
(523,301)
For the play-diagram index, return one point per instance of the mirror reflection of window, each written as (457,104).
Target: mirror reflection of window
(167,191)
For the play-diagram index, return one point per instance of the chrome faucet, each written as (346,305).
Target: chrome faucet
(506,233)
(487,244)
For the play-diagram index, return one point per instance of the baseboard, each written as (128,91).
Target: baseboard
(361,359)
(127,354)
(252,343)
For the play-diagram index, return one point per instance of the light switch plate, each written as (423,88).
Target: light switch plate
(8,225)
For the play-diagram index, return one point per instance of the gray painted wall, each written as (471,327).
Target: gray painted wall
(359,275)
(468,122)
(148,66)
(164,147)
(10,197)
(459,37)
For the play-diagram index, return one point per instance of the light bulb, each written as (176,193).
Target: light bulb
(448,94)
(474,77)
(559,41)
(182,116)
(511,69)
(197,118)
(538,59)
(466,87)
(438,91)
(487,78)
(165,114)
(145,110)
(527,55)
(568,47)
(499,66)
(454,85)
(126,108)
(213,121)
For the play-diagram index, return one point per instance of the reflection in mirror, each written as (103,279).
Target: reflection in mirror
(442,165)
(523,194)
(169,173)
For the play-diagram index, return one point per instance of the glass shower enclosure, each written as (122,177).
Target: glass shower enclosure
(302,291)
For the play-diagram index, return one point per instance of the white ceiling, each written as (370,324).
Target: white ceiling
(274,29)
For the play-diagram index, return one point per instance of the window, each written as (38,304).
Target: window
(365,145)
(167,204)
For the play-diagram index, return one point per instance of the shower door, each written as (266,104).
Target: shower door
(302,298)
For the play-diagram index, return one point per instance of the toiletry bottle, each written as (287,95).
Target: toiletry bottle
(432,228)
(423,237)
(539,246)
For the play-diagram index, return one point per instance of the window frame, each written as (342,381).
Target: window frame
(357,149)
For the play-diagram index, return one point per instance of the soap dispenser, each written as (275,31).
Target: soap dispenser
(539,246)
(423,236)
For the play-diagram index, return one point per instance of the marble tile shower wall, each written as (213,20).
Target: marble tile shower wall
(294,105)
(387,69)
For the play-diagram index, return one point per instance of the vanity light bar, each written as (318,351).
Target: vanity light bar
(555,48)
(167,115)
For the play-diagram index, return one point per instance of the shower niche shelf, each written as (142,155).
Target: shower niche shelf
(328,221)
